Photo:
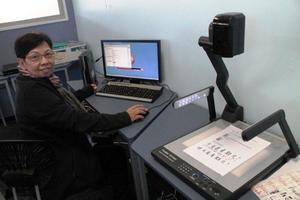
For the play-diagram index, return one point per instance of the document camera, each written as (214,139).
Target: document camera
(225,158)
(227,33)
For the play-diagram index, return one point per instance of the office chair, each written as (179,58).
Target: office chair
(2,116)
(26,164)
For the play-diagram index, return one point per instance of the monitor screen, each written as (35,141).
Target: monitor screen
(131,59)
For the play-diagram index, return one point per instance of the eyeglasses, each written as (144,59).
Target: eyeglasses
(36,57)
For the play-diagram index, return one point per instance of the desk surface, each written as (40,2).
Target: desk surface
(114,105)
(168,126)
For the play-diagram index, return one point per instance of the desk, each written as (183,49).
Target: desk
(130,133)
(168,126)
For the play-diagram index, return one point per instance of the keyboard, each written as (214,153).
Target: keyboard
(131,91)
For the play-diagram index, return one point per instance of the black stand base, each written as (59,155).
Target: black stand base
(233,115)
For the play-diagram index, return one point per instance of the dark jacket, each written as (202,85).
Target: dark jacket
(42,111)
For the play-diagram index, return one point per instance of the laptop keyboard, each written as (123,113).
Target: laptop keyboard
(138,92)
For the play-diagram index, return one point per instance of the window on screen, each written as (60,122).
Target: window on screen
(18,14)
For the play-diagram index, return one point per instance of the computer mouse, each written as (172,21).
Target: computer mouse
(144,114)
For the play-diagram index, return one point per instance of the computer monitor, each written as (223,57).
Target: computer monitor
(136,60)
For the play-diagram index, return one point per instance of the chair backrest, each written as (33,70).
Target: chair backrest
(24,161)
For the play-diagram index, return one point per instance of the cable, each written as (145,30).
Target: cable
(166,85)
(97,72)
(98,59)
(171,96)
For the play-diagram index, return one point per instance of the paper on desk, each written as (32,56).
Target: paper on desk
(225,150)
(284,184)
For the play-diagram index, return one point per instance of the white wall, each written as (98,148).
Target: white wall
(263,79)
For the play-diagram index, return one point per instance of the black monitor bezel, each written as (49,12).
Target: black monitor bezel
(158,42)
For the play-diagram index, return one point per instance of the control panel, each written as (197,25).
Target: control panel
(207,187)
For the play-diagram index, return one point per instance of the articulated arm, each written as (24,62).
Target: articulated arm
(276,117)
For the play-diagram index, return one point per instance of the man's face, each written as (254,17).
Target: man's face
(38,62)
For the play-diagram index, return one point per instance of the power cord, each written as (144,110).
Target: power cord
(97,72)
(98,59)
(166,86)
(171,96)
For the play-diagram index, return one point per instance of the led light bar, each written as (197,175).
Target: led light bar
(207,93)
(183,101)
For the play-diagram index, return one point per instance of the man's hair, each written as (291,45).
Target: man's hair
(29,41)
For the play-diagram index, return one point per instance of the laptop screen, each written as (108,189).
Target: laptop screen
(131,59)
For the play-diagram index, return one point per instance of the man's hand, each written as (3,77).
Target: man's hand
(137,112)
(94,86)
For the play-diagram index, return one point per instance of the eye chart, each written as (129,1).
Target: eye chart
(225,150)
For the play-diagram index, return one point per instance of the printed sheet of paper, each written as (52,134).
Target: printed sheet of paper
(225,150)
(281,187)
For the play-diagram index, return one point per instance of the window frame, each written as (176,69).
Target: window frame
(62,16)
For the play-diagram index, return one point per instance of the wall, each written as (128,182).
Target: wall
(263,79)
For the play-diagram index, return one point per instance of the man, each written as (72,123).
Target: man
(43,110)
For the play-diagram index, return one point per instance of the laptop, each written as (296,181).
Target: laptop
(132,69)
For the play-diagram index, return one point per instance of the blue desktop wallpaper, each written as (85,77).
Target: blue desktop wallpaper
(145,65)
